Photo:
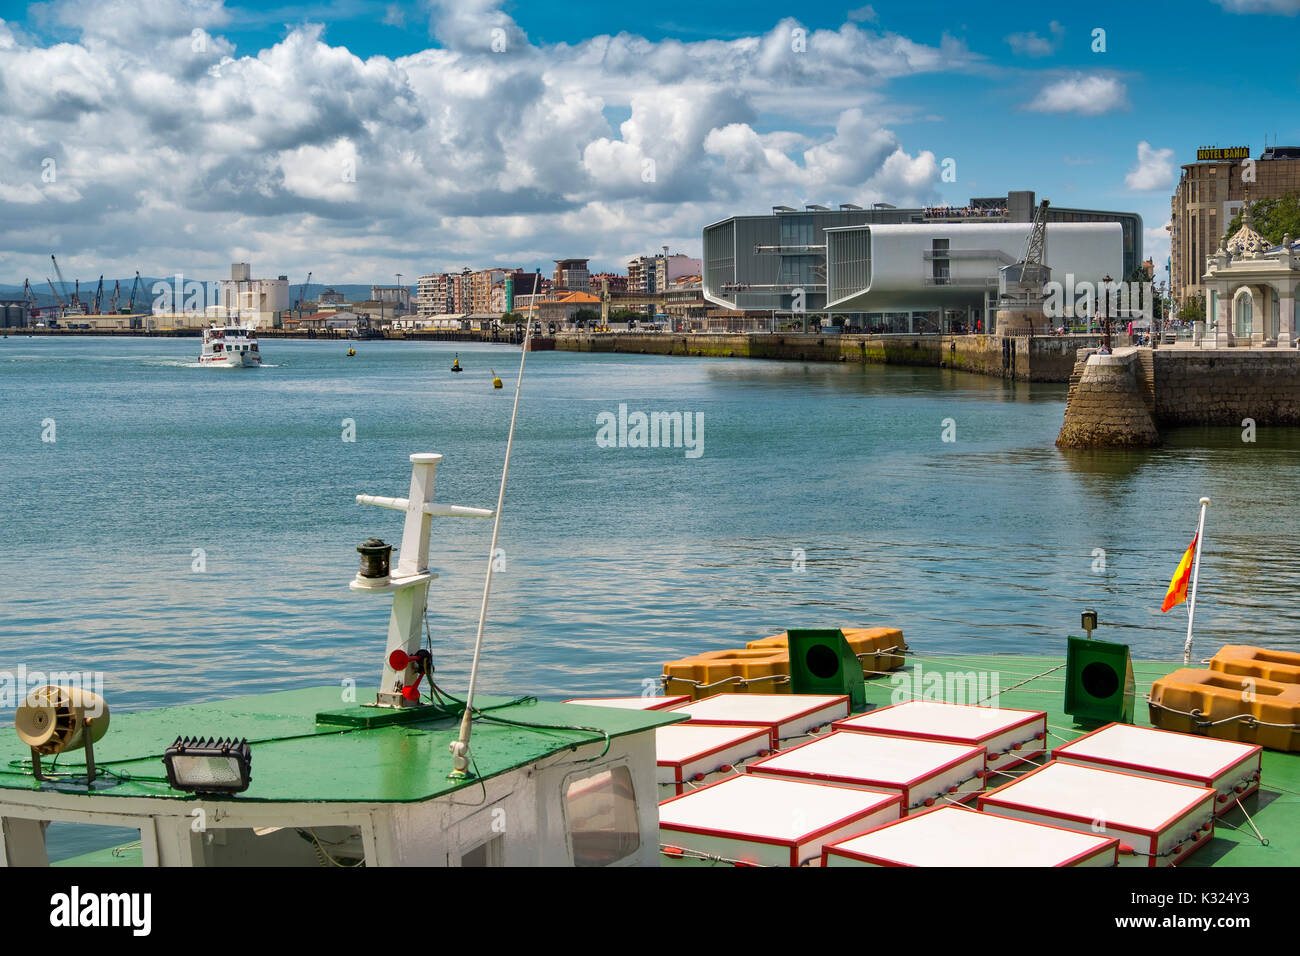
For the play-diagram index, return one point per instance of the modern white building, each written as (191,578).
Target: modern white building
(257,301)
(777,263)
(908,267)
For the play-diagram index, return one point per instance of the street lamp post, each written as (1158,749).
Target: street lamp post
(1105,315)
(1157,327)
(396,304)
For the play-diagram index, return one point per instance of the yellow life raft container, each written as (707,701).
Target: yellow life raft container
(1232,700)
(880,649)
(729,672)
(763,666)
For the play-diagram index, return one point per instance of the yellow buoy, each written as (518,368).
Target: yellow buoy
(496,379)
(352,351)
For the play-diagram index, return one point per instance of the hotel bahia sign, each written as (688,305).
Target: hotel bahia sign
(1216,153)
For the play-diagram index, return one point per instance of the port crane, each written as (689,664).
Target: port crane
(29,298)
(99,295)
(73,303)
(302,294)
(1020,284)
(117,291)
(55,293)
(1035,249)
(135,286)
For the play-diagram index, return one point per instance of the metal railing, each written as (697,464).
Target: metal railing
(996,254)
(960,281)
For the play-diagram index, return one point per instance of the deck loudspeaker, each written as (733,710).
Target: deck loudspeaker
(55,720)
(1098,682)
(822,662)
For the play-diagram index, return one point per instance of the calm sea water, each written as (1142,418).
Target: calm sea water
(617,559)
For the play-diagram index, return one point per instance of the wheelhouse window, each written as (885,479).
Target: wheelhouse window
(601,812)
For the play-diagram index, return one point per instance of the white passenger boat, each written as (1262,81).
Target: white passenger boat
(231,346)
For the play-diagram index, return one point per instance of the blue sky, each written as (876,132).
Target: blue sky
(171,157)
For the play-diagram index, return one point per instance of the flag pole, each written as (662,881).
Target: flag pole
(1196,573)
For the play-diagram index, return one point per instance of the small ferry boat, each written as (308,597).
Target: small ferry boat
(230,346)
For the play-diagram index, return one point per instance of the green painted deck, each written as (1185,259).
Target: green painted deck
(295,758)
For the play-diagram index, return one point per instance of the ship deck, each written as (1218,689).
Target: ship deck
(300,759)
(297,757)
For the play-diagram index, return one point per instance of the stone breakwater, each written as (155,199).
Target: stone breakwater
(1125,399)
(1030,358)
(1105,406)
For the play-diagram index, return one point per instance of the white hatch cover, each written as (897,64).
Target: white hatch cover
(920,769)
(1157,822)
(956,836)
(768,820)
(1141,748)
(952,722)
(787,715)
(692,751)
(680,743)
(1088,794)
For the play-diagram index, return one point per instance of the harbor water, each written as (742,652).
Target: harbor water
(189,532)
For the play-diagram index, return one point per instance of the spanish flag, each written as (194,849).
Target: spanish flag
(1177,592)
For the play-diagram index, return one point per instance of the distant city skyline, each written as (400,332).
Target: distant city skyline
(359,139)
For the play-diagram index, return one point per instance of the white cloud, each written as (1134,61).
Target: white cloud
(1087,94)
(175,152)
(865,14)
(1154,168)
(1032,45)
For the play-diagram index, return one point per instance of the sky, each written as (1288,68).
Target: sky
(359,139)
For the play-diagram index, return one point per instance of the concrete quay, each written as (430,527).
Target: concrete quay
(1030,358)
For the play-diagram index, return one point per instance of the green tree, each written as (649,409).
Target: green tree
(1192,309)
(1274,218)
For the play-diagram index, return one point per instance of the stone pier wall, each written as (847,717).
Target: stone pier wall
(1225,386)
(1113,398)
(1038,358)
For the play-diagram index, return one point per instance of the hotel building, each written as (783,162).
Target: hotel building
(1210,192)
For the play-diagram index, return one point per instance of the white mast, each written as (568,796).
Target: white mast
(460,753)
(409,581)
(1196,573)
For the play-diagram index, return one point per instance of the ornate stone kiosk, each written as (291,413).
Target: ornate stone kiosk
(1251,289)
